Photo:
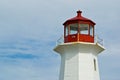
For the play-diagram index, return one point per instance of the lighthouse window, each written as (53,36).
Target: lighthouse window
(84,28)
(73,28)
(91,30)
(94,64)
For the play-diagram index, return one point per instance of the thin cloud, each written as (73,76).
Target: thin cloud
(19,56)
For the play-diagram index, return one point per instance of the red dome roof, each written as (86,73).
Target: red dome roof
(79,17)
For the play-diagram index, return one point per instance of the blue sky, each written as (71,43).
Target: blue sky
(29,30)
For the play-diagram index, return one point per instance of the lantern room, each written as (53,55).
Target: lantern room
(79,29)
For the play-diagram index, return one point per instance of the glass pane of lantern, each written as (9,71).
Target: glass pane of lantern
(91,30)
(73,28)
(84,28)
(66,30)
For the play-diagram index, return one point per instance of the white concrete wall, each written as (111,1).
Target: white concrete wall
(69,65)
(85,66)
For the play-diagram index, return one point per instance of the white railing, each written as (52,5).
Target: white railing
(60,40)
(97,39)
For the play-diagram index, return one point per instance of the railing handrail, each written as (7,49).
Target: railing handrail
(97,39)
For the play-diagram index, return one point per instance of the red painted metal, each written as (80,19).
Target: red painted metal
(78,18)
(78,37)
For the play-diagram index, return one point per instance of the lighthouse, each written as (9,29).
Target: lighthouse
(79,50)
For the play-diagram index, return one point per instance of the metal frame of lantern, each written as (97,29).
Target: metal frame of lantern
(79,36)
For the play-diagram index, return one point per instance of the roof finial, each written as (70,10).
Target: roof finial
(79,13)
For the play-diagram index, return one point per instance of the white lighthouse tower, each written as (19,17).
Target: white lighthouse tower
(79,50)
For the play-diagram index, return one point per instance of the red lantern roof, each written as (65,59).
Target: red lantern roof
(79,17)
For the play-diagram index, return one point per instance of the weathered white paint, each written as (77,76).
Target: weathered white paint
(77,60)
